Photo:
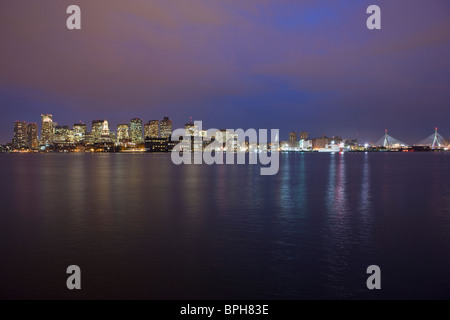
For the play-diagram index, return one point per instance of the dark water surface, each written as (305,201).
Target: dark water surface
(141,227)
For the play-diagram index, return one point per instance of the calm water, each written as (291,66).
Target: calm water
(141,227)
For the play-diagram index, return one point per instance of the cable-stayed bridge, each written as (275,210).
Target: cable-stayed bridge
(434,140)
(390,142)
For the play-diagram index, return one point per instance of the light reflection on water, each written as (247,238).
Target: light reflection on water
(224,231)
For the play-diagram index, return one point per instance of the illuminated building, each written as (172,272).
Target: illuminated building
(292,136)
(322,142)
(89,139)
(305,144)
(289,145)
(156,144)
(32,135)
(106,135)
(136,131)
(166,128)
(46,129)
(97,129)
(105,128)
(352,144)
(61,135)
(79,132)
(123,135)
(112,136)
(20,135)
(151,129)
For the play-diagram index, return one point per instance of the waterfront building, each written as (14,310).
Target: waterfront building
(20,135)
(46,129)
(107,136)
(289,145)
(105,128)
(166,128)
(123,135)
(151,129)
(32,135)
(322,142)
(351,144)
(89,138)
(305,144)
(97,130)
(136,131)
(79,132)
(156,144)
(61,135)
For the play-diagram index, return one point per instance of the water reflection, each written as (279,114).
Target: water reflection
(338,229)
(337,198)
(365,204)
(226,231)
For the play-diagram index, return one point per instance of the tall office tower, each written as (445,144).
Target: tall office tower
(79,132)
(151,129)
(136,130)
(293,136)
(106,135)
(97,129)
(46,129)
(20,134)
(61,134)
(123,133)
(304,135)
(166,128)
(105,128)
(32,135)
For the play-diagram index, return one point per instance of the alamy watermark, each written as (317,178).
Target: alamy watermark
(214,146)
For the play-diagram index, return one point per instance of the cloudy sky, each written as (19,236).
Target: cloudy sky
(294,65)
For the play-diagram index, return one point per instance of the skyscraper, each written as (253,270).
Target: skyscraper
(136,130)
(61,135)
(151,129)
(20,134)
(46,129)
(107,136)
(293,136)
(79,132)
(123,133)
(166,128)
(97,129)
(105,129)
(32,135)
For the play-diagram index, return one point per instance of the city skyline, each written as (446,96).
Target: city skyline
(26,135)
(256,65)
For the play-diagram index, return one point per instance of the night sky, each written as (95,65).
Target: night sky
(291,65)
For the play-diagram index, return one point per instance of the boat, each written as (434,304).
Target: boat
(333,148)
